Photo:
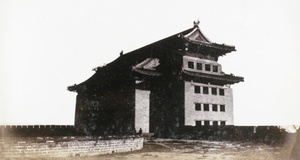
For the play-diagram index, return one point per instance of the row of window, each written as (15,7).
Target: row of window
(205,90)
(207,123)
(199,66)
(215,107)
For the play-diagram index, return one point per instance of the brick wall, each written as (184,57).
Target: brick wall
(67,146)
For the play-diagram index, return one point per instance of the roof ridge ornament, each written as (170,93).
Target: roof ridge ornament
(196,23)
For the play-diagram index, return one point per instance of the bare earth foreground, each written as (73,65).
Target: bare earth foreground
(167,149)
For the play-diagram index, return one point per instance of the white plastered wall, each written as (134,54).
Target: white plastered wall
(191,115)
(142,110)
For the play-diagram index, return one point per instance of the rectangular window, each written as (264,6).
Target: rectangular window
(198,123)
(205,90)
(215,123)
(207,67)
(197,89)
(199,66)
(215,68)
(223,123)
(215,107)
(191,65)
(206,123)
(198,106)
(206,107)
(214,91)
(221,92)
(222,108)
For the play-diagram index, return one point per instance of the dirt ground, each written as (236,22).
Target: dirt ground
(189,150)
(167,149)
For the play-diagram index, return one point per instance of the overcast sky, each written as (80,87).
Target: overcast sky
(46,46)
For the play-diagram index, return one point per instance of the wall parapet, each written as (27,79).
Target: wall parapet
(68,146)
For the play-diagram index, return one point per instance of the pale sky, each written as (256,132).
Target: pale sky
(46,46)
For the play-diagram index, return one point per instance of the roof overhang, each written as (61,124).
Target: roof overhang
(217,79)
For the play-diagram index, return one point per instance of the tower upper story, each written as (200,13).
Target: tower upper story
(187,55)
(200,54)
(195,44)
(200,58)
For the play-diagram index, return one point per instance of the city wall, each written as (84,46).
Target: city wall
(78,146)
(66,141)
